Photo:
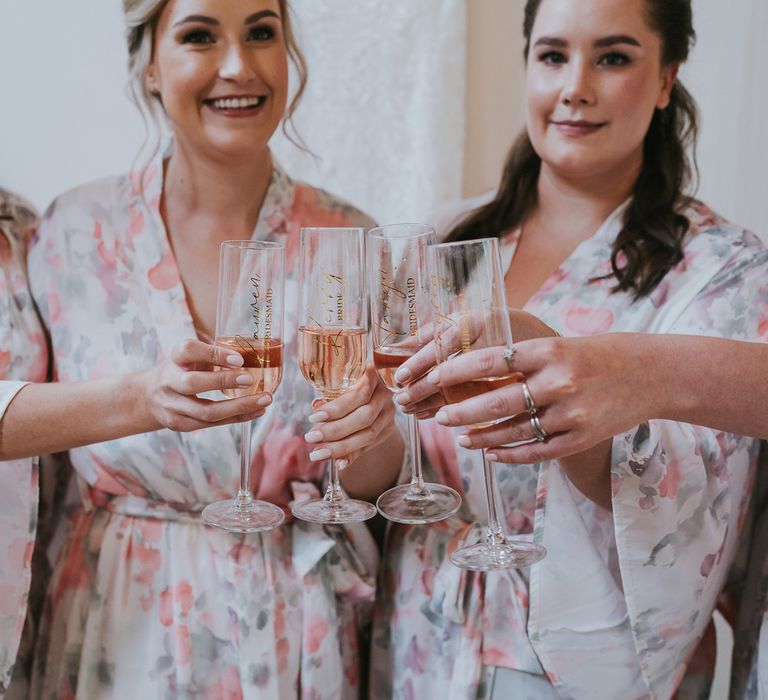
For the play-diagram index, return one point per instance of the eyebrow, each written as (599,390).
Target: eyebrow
(211,21)
(599,44)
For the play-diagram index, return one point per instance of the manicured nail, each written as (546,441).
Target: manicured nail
(244,380)
(492,456)
(403,375)
(235,360)
(319,455)
(319,417)
(265,400)
(342,463)
(434,376)
(442,416)
(403,398)
(464,441)
(314,436)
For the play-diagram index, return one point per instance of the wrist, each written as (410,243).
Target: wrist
(134,393)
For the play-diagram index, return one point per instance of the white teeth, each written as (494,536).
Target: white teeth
(237,102)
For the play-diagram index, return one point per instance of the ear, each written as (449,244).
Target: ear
(668,77)
(150,80)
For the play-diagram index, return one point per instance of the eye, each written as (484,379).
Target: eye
(552,58)
(262,32)
(197,36)
(614,59)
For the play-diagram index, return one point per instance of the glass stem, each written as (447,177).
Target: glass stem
(333,493)
(244,497)
(414,442)
(495,533)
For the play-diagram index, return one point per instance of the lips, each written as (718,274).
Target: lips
(237,103)
(577,127)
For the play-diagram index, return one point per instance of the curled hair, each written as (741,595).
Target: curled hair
(651,240)
(141,17)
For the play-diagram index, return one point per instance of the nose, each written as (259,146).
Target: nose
(236,65)
(578,89)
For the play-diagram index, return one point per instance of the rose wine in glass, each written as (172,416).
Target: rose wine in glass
(470,312)
(249,321)
(333,344)
(401,323)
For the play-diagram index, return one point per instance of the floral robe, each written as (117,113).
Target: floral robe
(145,601)
(23,357)
(623,598)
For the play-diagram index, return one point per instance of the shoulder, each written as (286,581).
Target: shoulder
(88,199)
(449,215)
(708,229)
(314,206)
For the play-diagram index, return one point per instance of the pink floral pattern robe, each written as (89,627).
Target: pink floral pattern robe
(623,598)
(23,357)
(145,601)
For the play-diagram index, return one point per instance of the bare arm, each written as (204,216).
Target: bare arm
(45,418)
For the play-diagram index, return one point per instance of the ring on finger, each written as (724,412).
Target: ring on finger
(530,405)
(509,357)
(538,431)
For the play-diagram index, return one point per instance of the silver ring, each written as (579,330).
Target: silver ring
(538,431)
(509,356)
(530,406)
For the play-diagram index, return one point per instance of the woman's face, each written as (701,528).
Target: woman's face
(593,81)
(220,68)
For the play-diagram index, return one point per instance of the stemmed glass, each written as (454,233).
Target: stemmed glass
(249,321)
(333,343)
(467,287)
(401,323)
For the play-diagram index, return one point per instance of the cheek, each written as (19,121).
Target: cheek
(634,102)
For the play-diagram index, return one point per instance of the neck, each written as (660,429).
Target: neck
(576,207)
(227,191)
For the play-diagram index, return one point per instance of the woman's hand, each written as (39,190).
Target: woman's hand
(586,390)
(349,427)
(169,390)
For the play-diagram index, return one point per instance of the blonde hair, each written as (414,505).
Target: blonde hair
(141,17)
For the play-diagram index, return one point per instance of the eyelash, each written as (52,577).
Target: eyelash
(612,59)
(201,37)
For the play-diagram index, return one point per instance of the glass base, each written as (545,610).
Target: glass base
(512,554)
(435,503)
(254,516)
(347,510)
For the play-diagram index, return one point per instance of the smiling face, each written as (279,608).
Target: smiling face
(220,68)
(594,79)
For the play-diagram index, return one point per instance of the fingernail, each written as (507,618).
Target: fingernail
(342,463)
(318,455)
(442,416)
(235,360)
(314,436)
(319,417)
(403,398)
(434,376)
(265,400)
(244,380)
(403,374)
(464,441)
(492,457)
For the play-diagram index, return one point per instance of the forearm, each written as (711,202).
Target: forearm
(374,472)
(46,418)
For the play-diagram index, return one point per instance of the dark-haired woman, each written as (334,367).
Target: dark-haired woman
(597,236)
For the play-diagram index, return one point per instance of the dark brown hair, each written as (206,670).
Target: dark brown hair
(651,240)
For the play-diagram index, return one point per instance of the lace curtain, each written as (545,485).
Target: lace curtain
(384,108)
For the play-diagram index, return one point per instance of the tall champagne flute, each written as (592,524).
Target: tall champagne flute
(333,343)
(467,287)
(401,323)
(249,321)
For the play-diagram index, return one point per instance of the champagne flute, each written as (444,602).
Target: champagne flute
(401,323)
(467,287)
(249,321)
(333,344)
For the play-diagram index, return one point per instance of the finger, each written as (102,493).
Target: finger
(554,447)
(356,443)
(417,365)
(359,395)
(416,392)
(195,353)
(361,418)
(474,365)
(212,412)
(432,404)
(197,382)
(514,430)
